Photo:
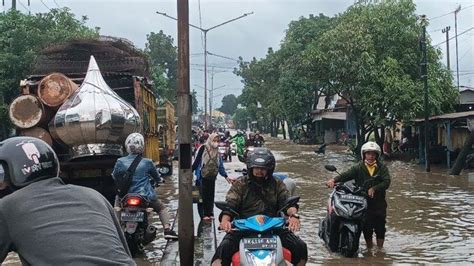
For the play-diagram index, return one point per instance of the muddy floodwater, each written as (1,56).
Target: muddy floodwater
(430,215)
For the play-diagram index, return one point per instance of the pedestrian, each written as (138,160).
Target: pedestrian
(370,166)
(146,170)
(206,166)
(259,193)
(48,222)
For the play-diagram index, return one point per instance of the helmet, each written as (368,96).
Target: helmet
(135,143)
(24,160)
(261,157)
(370,146)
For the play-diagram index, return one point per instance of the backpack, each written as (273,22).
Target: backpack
(210,169)
(123,183)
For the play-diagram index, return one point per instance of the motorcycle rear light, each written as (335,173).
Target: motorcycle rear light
(133,201)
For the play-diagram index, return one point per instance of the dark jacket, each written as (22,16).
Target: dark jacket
(360,174)
(249,197)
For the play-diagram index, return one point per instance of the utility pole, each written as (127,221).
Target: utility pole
(13,4)
(205,31)
(446,30)
(424,76)
(456,32)
(185,208)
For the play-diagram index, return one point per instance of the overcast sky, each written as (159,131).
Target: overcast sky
(250,36)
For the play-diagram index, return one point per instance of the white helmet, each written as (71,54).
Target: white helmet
(370,146)
(135,143)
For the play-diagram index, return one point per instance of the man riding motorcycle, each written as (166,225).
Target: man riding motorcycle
(135,146)
(48,222)
(239,139)
(259,193)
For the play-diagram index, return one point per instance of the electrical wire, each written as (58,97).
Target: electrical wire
(444,15)
(45,5)
(23,5)
(471,28)
(225,57)
(56,4)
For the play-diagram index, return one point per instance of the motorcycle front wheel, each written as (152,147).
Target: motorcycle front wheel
(349,245)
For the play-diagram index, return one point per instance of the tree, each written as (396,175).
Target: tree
(371,58)
(23,36)
(163,59)
(229,104)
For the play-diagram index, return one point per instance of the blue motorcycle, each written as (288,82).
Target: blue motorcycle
(261,244)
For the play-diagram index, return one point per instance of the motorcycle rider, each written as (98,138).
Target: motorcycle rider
(135,145)
(259,193)
(239,140)
(377,205)
(259,138)
(48,222)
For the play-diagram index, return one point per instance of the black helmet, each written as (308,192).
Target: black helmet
(261,157)
(26,160)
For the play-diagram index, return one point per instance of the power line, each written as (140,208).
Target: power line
(225,57)
(23,5)
(45,5)
(449,13)
(468,50)
(455,36)
(56,3)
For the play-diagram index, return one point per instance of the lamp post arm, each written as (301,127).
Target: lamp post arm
(223,23)
(168,16)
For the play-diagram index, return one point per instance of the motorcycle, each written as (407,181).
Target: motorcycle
(347,205)
(261,244)
(134,219)
(223,150)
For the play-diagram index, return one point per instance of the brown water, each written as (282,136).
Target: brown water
(430,216)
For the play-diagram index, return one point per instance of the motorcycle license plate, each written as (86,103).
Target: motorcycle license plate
(260,243)
(132,216)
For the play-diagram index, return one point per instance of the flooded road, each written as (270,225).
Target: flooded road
(430,216)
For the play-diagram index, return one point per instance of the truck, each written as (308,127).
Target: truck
(121,67)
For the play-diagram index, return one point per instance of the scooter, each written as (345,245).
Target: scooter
(347,205)
(261,244)
(134,215)
(222,150)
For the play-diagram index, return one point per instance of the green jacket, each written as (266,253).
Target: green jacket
(360,174)
(250,198)
(239,140)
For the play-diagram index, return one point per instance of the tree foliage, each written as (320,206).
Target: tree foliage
(163,59)
(368,55)
(229,104)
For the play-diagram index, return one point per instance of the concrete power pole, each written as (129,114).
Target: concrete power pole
(424,76)
(446,30)
(13,4)
(185,208)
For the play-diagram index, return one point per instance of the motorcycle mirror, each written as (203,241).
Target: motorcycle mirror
(224,206)
(291,201)
(330,167)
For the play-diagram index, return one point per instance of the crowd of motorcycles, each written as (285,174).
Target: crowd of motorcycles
(340,230)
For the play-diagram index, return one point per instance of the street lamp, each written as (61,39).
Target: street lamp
(456,34)
(205,31)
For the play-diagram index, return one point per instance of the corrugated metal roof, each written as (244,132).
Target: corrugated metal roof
(448,116)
